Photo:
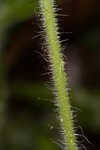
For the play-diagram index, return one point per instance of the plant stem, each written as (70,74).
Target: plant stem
(59,74)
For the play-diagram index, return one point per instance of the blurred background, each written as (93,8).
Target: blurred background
(29,118)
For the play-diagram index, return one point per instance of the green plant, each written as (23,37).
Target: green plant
(59,75)
(11,13)
(17,10)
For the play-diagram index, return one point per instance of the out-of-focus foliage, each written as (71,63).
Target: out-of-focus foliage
(28,128)
(12,11)
(82,99)
(37,90)
(88,108)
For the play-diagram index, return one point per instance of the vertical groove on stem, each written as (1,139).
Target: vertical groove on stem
(59,74)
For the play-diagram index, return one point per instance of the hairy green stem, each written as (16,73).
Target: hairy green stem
(59,74)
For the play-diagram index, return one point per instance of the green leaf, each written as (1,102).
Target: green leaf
(89,104)
(12,11)
(32,90)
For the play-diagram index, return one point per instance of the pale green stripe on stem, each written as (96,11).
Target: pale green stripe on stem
(58,73)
